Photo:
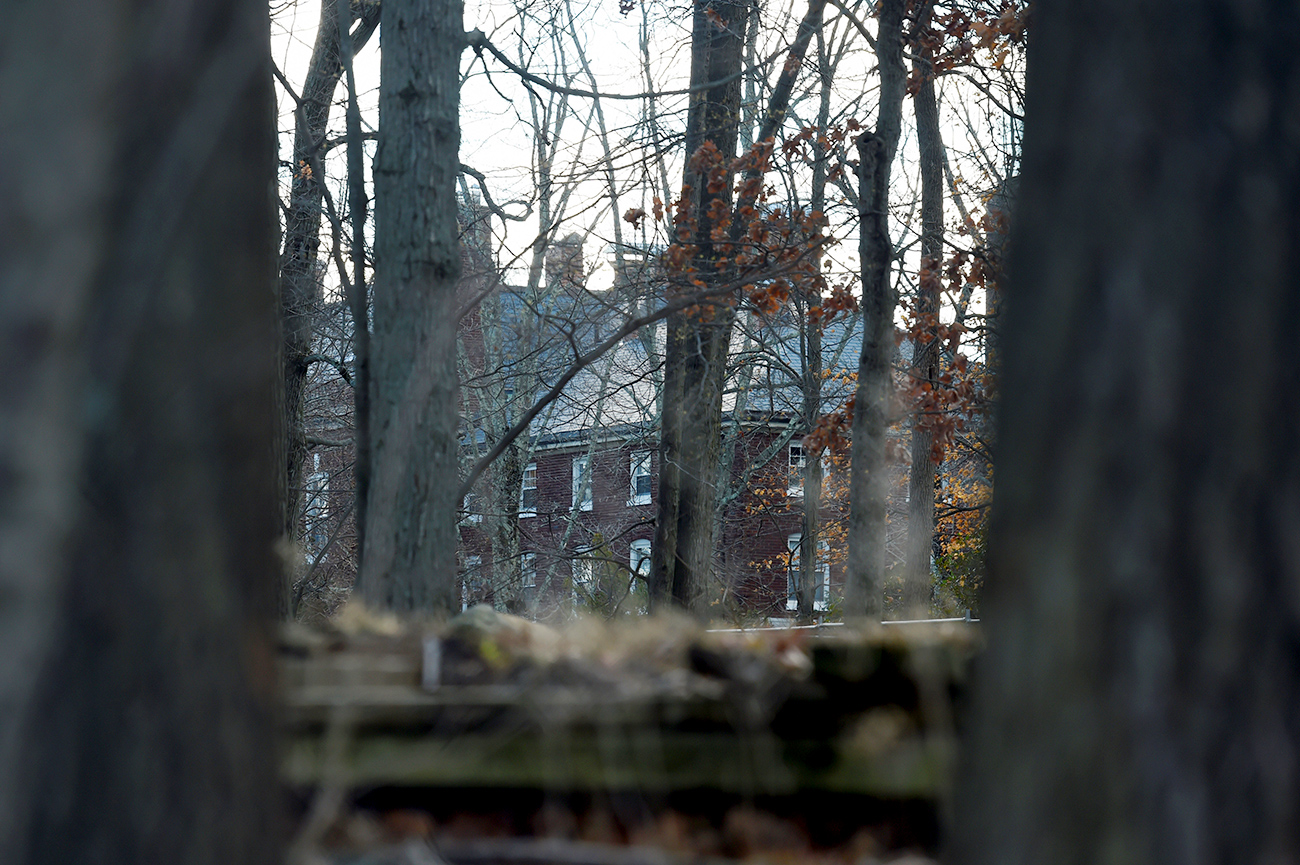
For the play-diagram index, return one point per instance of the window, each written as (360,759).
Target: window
(528,570)
(584,574)
(642,482)
(794,483)
(582,483)
(798,461)
(823,591)
(528,494)
(471,584)
(470,508)
(637,601)
(639,560)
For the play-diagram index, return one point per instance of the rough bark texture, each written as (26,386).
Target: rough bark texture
(1139,700)
(355,286)
(918,582)
(696,350)
(699,339)
(300,279)
(869,480)
(409,560)
(139,297)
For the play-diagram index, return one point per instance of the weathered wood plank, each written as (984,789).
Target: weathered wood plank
(854,713)
(623,759)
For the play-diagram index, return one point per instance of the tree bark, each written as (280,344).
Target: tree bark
(300,285)
(409,559)
(918,582)
(354,286)
(139,297)
(1138,699)
(869,479)
(699,339)
(696,350)
(812,362)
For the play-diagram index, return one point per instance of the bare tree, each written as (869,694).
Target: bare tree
(301,298)
(698,339)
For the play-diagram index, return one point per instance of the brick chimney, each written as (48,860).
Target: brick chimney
(564,263)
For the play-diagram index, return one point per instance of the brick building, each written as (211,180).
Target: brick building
(586,483)
(564,520)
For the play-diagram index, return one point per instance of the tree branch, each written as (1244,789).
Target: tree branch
(340,368)
(631,326)
(313,441)
(487,197)
(478,40)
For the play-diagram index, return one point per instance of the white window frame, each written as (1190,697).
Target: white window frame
(639,558)
(792,544)
(528,570)
(583,573)
(642,465)
(583,500)
(530,477)
(797,460)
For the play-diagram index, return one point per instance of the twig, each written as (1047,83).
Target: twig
(487,197)
(339,367)
(300,588)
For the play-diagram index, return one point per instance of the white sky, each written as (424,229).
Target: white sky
(498,137)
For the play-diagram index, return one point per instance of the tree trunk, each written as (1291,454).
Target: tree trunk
(812,363)
(869,480)
(409,559)
(698,338)
(138,511)
(300,280)
(918,582)
(1138,699)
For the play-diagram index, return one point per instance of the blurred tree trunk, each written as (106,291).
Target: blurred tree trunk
(869,479)
(1139,699)
(918,581)
(409,557)
(138,510)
